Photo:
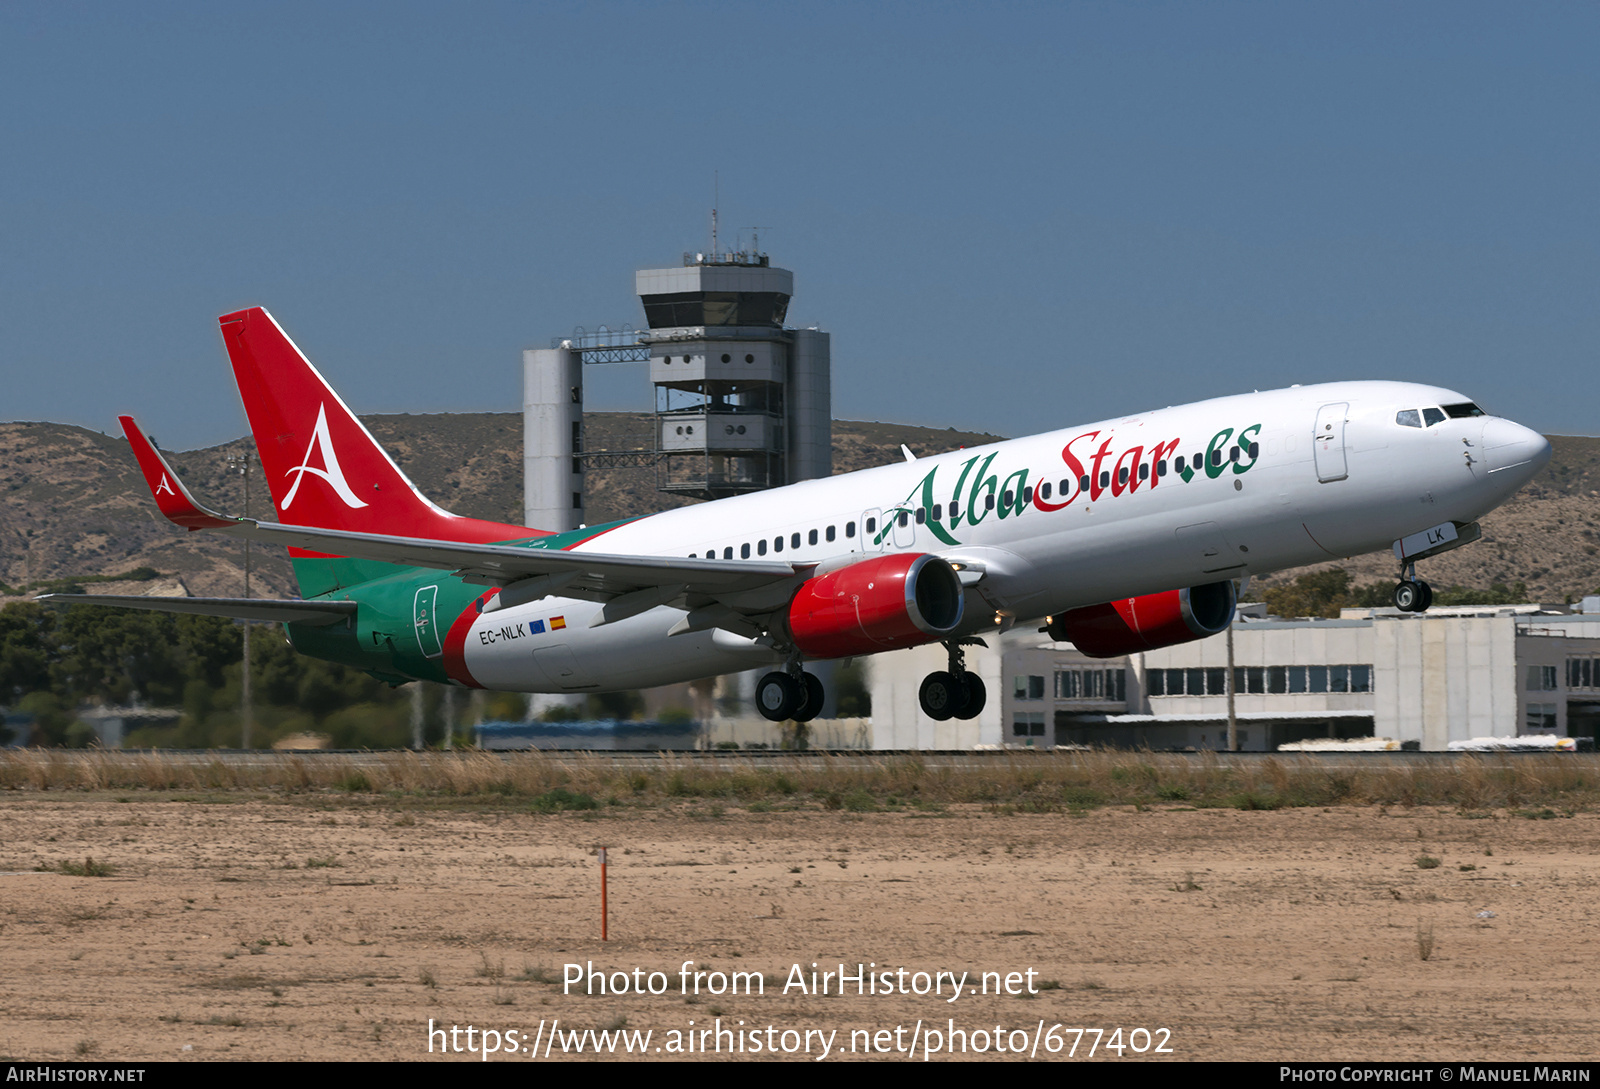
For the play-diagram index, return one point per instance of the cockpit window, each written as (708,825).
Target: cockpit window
(1463,411)
(1408,417)
(1431,416)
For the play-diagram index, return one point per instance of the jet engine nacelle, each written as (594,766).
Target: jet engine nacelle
(882,603)
(1147,622)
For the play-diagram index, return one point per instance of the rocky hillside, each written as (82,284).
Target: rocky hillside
(72,503)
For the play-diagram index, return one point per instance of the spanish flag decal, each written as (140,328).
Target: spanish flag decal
(557,623)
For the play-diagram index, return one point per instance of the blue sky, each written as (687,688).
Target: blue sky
(1011,217)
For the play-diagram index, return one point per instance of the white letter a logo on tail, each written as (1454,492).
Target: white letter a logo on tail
(322,444)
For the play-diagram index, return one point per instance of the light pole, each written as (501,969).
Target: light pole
(240,463)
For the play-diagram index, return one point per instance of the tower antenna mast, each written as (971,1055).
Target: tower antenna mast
(715,200)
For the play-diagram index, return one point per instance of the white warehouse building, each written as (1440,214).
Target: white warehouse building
(1451,674)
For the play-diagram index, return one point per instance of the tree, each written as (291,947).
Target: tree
(1316,593)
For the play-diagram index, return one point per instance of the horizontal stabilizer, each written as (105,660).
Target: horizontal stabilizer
(275,611)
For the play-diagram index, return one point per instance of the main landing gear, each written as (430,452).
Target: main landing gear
(789,695)
(953,693)
(1412,595)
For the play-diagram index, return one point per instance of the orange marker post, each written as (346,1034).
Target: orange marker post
(602,894)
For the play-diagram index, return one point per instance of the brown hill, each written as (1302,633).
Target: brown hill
(72,503)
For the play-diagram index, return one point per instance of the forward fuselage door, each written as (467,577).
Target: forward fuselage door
(905,528)
(873,531)
(1327,442)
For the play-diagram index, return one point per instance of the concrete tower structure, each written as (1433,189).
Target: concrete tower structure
(552,438)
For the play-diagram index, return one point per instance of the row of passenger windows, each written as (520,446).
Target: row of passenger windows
(1008,499)
(1259,680)
(1427,417)
(793,540)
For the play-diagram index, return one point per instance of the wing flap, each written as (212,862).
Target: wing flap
(603,574)
(276,611)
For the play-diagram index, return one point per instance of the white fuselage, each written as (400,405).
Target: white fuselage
(1287,478)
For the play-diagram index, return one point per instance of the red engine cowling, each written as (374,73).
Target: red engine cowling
(882,603)
(1147,622)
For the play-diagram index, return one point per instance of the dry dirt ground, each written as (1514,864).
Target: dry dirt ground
(337,929)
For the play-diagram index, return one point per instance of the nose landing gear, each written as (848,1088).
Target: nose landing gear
(954,693)
(1412,595)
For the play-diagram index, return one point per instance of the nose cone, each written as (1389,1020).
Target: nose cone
(1513,451)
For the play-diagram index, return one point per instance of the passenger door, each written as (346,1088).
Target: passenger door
(1327,442)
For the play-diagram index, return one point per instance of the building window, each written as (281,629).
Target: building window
(1541,678)
(1027,724)
(1092,684)
(1260,680)
(1028,687)
(1541,718)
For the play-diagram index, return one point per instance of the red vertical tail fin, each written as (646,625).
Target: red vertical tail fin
(323,466)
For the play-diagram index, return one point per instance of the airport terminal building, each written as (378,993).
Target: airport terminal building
(1450,674)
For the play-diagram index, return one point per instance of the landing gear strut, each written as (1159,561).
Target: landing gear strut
(954,693)
(793,695)
(1412,595)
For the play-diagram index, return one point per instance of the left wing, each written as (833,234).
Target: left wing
(626,584)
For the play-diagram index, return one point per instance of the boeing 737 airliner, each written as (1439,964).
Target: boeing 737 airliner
(1123,535)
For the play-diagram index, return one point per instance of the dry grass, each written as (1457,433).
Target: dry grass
(1424,940)
(1024,782)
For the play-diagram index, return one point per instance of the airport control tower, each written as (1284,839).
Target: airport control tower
(741,403)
